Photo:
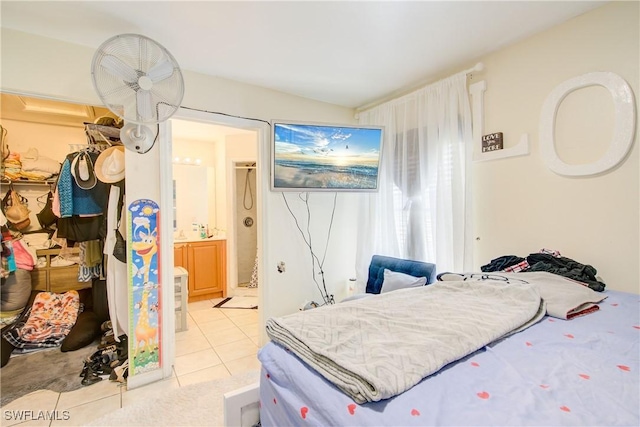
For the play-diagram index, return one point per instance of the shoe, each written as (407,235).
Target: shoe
(90,378)
(102,369)
(121,372)
(60,262)
(106,325)
(84,370)
(106,348)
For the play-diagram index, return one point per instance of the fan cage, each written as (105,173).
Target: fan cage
(140,54)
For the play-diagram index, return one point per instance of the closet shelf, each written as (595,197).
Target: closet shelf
(28,182)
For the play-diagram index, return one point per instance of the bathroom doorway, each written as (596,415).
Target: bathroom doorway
(245,227)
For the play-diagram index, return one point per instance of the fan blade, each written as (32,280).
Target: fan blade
(161,71)
(143,105)
(119,69)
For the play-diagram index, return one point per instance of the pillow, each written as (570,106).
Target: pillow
(394,280)
(86,298)
(15,290)
(83,333)
(5,351)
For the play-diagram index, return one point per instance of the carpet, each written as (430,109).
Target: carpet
(198,404)
(238,302)
(48,369)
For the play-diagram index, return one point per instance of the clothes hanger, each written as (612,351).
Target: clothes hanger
(46,196)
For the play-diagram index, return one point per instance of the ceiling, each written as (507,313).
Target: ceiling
(347,53)
(37,110)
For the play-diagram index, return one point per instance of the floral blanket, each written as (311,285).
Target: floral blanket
(50,319)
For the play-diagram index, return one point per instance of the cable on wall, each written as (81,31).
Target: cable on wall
(328,299)
(227,115)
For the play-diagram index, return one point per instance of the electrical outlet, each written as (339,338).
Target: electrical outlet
(281,267)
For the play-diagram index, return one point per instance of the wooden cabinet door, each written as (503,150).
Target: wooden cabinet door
(207,266)
(180,256)
(221,267)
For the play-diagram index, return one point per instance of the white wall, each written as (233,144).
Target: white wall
(339,264)
(522,206)
(45,67)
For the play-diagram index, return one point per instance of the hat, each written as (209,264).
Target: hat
(82,171)
(109,166)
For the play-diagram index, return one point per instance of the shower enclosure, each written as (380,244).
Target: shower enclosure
(245,223)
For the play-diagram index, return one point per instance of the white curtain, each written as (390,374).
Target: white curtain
(422,208)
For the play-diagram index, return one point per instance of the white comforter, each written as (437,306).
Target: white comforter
(378,347)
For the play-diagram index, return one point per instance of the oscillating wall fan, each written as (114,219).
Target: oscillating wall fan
(140,82)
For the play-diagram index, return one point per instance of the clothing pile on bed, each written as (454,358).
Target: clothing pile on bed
(564,298)
(48,321)
(550,261)
(30,166)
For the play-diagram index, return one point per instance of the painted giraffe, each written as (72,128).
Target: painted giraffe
(145,333)
(146,248)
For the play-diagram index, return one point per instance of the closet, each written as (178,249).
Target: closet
(52,130)
(48,130)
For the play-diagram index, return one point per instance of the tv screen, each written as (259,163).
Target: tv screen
(325,157)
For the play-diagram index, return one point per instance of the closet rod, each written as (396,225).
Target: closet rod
(399,94)
(97,146)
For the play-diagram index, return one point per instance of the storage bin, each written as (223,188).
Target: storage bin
(181,292)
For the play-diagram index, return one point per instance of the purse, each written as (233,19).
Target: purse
(46,217)
(120,247)
(16,210)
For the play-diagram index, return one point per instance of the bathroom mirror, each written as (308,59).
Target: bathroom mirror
(194,200)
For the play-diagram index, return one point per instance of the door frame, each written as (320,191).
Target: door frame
(263,131)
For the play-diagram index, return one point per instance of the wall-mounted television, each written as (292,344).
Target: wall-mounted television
(325,157)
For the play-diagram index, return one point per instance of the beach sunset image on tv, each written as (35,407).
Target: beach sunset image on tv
(311,157)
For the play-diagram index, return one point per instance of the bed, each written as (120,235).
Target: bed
(583,371)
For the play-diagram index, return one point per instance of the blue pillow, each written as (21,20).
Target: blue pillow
(394,280)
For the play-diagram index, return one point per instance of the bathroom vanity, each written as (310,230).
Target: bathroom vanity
(206,264)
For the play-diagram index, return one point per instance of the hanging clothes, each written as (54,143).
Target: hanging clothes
(75,200)
(90,266)
(80,209)
(116,271)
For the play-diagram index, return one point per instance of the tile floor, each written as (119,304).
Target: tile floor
(218,343)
